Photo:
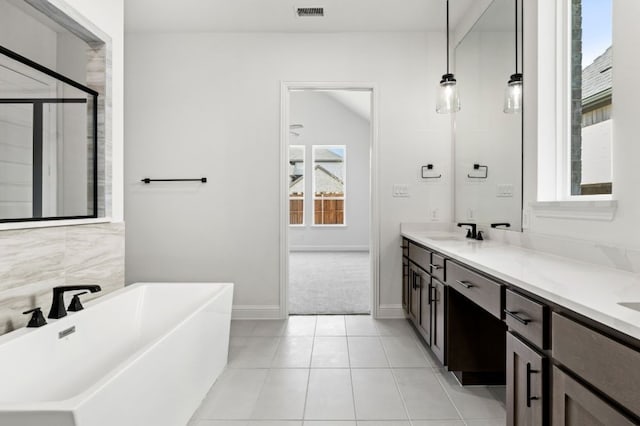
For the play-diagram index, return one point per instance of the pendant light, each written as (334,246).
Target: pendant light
(448,98)
(513,93)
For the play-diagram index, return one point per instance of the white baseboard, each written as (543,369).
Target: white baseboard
(329,248)
(267,312)
(391,311)
(244,312)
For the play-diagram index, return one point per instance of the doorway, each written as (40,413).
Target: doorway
(329,246)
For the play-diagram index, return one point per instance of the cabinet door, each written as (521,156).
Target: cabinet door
(525,384)
(575,405)
(406,288)
(437,319)
(424,282)
(414,295)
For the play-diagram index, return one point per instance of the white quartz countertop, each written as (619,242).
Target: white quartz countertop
(590,290)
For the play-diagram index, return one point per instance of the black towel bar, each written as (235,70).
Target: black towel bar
(147,180)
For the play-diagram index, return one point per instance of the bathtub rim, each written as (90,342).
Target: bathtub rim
(74,402)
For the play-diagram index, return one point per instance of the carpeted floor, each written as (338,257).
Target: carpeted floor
(329,282)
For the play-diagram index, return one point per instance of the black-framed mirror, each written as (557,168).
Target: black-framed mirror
(48,143)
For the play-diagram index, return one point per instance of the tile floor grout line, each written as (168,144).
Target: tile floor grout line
(353,391)
(395,381)
(306,396)
(450,398)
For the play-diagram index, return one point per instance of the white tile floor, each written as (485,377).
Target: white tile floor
(340,371)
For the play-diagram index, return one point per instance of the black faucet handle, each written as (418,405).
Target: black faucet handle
(480,236)
(469,234)
(75,304)
(37,319)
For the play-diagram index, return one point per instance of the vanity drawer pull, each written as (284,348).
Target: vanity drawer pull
(436,267)
(530,398)
(464,284)
(516,317)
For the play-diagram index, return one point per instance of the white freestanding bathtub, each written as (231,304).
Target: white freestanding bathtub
(144,355)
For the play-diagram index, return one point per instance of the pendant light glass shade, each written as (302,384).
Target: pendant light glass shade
(448,100)
(448,97)
(513,95)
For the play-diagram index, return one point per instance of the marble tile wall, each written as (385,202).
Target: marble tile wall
(594,252)
(33,261)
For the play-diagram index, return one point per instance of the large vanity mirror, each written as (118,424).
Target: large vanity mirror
(488,141)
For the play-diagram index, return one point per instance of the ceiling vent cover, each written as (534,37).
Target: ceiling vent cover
(310,11)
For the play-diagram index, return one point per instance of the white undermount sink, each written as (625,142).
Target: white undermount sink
(631,305)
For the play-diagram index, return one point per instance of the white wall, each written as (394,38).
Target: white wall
(540,125)
(596,152)
(329,122)
(209,105)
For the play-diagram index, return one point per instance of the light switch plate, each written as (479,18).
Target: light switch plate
(504,190)
(400,190)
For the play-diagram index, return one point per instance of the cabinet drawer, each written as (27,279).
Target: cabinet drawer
(482,291)
(405,247)
(610,366)
(419,256)
(437,266)
(527,318)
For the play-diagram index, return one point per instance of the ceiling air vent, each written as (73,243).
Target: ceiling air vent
(310,11)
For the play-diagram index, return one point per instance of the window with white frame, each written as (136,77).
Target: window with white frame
(590,94)
(296,184)
(329,184)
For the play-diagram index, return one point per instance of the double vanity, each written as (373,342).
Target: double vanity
(562,335)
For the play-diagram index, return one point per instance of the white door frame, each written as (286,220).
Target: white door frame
(374,208)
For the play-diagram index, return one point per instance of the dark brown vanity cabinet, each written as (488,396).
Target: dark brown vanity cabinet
(575,405)
(609,367)
(427,297)
(438,294)
(526,372)
(425,304)
(414,293)
(559,367)
(406,289)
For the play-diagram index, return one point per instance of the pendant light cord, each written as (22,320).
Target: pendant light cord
(516,36)
(448,36)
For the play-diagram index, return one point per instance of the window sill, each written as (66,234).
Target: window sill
(53,223)
(597,210)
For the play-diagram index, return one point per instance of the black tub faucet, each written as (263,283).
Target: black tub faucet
(471,233)
(57,305)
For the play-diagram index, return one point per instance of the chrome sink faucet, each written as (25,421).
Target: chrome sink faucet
(57,305)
